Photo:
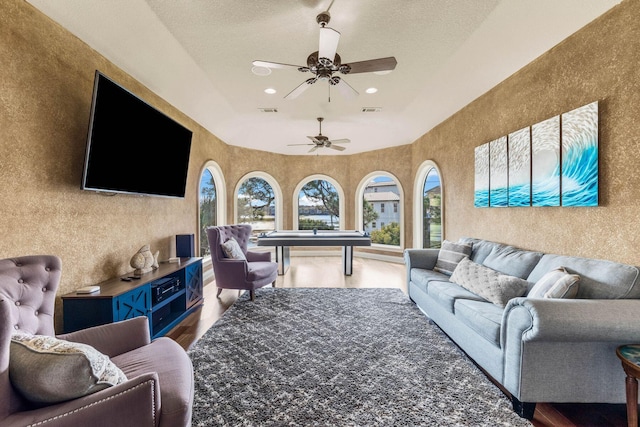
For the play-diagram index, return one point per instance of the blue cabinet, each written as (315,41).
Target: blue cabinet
(166,296)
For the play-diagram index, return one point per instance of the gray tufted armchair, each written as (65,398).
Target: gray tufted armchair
(159,389)
(255,272)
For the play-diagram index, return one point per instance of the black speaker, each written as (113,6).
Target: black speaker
(185,245)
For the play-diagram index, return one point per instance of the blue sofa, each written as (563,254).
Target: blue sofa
(538,349)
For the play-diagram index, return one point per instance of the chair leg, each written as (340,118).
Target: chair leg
(253,295)
(219,291)
(273,285)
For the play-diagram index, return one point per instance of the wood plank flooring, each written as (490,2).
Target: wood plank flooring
(326,271)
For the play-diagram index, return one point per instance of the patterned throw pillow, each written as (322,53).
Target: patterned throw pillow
(490,284)
(450,255)
(558,283)
(46,369)
(232,249)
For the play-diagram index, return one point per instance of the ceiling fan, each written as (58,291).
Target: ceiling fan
(320,140)
(325,62)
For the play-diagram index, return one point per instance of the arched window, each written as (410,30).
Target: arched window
(259,203)
(211,197)
(428,207)
(379,201)
(318,203)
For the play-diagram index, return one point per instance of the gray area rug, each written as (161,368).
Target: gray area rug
(337,357)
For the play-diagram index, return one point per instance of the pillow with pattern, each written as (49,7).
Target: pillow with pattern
(490,284)
(450,255)
(47,370)
(558,283)
(232,249)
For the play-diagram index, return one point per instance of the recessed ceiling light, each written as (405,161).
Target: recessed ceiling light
(261,71)
(270,90)
(371,90)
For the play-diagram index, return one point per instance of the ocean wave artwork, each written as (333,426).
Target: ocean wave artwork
(498,174)
(545,163)
(481,190)
(580,156)
(519,144)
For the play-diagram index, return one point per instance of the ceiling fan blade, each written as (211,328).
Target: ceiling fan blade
(329,39)
(291,145)
(313,149)
(301,88)
(275,65)
(340,141)
(345,89)
(381,64)
(336,147)
(314,139)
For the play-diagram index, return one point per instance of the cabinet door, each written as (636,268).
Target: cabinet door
(193,283)
(134,303)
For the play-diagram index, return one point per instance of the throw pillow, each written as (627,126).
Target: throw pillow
(450,255)
(232,249)
(47,370)
(490,284)
(558,283)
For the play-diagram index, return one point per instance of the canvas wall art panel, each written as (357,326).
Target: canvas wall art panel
(498,174)
(481,183)
(519,149)
(545,163)
(580,156)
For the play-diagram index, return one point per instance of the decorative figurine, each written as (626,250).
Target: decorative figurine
(143,261)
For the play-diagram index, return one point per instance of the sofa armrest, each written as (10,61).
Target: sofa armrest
(421,258)
(115,338)
(258,256)
(573,320)
(134,403)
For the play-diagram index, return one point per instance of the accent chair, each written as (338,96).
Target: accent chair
(240,269)
(159,384)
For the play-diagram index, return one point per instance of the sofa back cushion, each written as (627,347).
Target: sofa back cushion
(506,259)
(599,279)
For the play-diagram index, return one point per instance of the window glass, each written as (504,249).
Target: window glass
(318,206)
(379,191)
(256,206)
(208,209)
(432,210)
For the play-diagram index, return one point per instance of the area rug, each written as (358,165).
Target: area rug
(337,357)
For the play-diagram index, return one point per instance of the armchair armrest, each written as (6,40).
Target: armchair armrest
(134,403)
(116,338)
(576,320)
(258,256)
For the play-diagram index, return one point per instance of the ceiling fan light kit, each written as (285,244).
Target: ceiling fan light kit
(325,62)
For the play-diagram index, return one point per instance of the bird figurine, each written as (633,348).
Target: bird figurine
(144,261)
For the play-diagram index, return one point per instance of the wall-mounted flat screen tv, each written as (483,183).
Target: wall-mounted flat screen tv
(132,147)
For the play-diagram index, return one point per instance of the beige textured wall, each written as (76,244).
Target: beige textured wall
(598,63)
(46,82)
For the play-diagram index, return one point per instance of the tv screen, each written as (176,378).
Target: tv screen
(132,147)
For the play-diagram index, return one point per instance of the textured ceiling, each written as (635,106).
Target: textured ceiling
(197,55)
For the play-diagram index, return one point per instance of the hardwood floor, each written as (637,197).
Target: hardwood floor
(368,273)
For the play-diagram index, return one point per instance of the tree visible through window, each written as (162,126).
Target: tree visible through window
(256,205)
(208,209)
(318,206)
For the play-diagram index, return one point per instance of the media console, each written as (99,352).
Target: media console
(166,296)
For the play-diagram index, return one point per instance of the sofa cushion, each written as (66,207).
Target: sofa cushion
(483,317)
(421,276)
(481,248)
(446,294)
(46,369)
(558,283)
(491,285)
(512,261)
(450,255)
(231,249)
(599,279)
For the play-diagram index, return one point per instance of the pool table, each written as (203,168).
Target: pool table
(284,239)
